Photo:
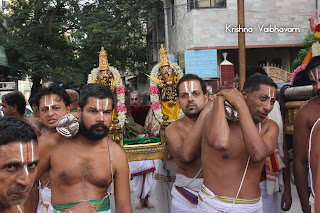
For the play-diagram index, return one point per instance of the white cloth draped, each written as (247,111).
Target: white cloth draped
(207,204)
(142,189)
(179,203)
(44,205)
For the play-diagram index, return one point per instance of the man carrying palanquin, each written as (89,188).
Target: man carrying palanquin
(305,119)
(82,168)
(184,142)
(234,152)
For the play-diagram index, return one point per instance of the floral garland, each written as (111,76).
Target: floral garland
(154,92)
(296,71)
(121,107)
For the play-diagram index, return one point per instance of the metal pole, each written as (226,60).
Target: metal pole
(241,43)
(165,8)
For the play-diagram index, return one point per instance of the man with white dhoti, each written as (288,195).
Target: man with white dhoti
(233,151)
(275,177)
(184,139)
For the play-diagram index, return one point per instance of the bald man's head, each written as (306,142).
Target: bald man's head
(135,98)
(74,98)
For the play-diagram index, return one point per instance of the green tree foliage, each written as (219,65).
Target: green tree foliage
(60,40)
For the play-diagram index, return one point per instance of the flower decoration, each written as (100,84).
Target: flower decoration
(296,71)
(154,92)
(156,106)
(121,108)
(120,90)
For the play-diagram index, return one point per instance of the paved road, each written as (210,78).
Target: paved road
(295,208)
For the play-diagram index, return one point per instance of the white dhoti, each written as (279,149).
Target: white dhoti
(311,202)
(142,177)
(211,203)
(165,176)
(44,205)
(270,203)
(185,194)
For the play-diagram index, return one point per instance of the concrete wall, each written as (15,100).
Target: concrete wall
(207,27)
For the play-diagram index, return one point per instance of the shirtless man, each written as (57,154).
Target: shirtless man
(234,152)
(314,165)
(19,157)
(49,120)
(74,99)
(184,140)
(275,180)
(82,168)
(14,104)
(306,117)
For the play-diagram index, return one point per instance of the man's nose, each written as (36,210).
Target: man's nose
(190,97)
(268,106)
(23,177)
(100,117)
(50,111)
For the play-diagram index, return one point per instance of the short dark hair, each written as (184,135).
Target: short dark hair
(313,63)
(95,90)
(16,98)
(14,130)
(189,77)
(253,83)
(50,90)
(255,70)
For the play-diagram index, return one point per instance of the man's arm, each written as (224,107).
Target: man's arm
(188,148)
(259,146)
(217,131)
(286,199)
(121,180)
(316,151)
(45,148)
(300,144)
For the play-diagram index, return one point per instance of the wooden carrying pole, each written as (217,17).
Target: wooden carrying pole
(241,43)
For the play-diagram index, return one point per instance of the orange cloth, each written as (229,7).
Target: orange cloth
(307,58)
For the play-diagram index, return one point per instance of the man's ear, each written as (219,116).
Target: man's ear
(178,102)
(206,98)
(244,93)
(69,108)
(14,108)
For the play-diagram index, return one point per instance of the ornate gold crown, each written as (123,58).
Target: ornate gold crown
(164,60)
(103,60)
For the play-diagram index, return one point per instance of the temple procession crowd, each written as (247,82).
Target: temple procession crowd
(229,151)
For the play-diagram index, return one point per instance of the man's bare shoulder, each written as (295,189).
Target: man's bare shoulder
(271,124)
(312,103)
(115,148)
(176,124)
(49,139)
(309,111)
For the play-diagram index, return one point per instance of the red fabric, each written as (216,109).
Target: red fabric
(143,172)
(273,161)
(139,113)
(313,22)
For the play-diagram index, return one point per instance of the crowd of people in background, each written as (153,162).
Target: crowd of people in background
(222,164)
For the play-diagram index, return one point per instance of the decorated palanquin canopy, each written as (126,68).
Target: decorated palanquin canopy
(110,76)
(164,79)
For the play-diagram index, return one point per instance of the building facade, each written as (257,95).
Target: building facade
(275,29)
